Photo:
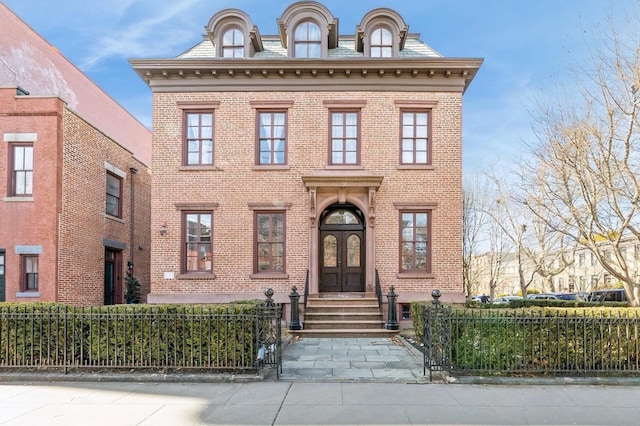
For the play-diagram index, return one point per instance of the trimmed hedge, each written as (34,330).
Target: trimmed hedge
(541,339)
(172,336)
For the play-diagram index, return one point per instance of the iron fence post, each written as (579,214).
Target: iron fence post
(294,324)
(392,321)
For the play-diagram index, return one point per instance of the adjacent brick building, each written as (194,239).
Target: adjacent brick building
(75,179)
(308,159)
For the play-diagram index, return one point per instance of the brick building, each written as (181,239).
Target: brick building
(74,177)
(307,158)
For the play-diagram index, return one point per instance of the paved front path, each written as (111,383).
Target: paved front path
(362,359)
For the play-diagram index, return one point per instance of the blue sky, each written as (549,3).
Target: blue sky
(528,48)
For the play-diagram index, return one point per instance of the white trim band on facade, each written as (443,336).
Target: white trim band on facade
(20,137)
(116,171)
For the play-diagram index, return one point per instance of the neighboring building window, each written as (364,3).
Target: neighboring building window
(415,147)
(581,260)
(21,169)
(307,41)
(198,256)
(233,44)
(29,273)
(272,146)
(269,241)
(405,311)
(114,195)
(198,138)
(414,242)
(381,43)
(344,146)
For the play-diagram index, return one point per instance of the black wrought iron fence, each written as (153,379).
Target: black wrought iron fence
(587,342)
(234,338)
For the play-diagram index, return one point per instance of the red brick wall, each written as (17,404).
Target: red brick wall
(83,222)
(235,184)
(31,222)
(66,215)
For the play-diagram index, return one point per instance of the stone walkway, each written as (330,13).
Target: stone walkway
(351,359)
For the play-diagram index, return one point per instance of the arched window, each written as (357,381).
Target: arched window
(381,43)
(307,40)
(233,44)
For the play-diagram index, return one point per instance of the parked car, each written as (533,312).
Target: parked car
(543,296)
(568,296)
(611,295)
(506,299)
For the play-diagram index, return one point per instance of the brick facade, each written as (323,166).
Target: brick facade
(379,186)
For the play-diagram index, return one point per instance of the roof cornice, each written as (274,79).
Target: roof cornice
(420,74)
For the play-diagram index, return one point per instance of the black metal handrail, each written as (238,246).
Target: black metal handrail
(378,289)
(306,292)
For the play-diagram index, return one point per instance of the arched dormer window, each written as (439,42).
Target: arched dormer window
(381,45)
(308,30)
(381,34)
(233,43)
(233,34)
(307,40)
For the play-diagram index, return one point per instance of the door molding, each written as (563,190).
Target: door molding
(357,187)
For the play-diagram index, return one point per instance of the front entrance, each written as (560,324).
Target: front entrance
(112,277)
(341,250)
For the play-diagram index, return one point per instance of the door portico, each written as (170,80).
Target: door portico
(342,188)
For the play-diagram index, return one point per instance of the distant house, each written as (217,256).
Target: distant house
(74,176)
(306,158)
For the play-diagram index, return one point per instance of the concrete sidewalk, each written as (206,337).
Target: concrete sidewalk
(324,381)
(281,403)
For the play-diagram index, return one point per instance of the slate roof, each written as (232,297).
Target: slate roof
(413,48)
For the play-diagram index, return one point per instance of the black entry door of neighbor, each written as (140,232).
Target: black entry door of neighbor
(112,277)
(341,261)
(2,282)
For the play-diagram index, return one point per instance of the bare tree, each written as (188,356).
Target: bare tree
(583,180)
(539,249)
(472,222)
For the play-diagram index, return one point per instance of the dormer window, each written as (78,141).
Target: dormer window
(308,30)
(381,43)
(381,34)
(307,41)
(233,44)
(233,34)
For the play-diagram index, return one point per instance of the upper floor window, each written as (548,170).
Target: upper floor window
(28,273)
(233,44)
(197,255)
(114,195)
(415,250)
(198,138)
(381,43)
(415,136)
(21,167)
(272,143)
(269,241)
(307,40)
(344,147)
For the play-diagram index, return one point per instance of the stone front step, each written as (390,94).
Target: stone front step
(343,315)
(337,324)
(345,332)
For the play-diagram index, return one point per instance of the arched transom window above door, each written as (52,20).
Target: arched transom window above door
(342,217)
